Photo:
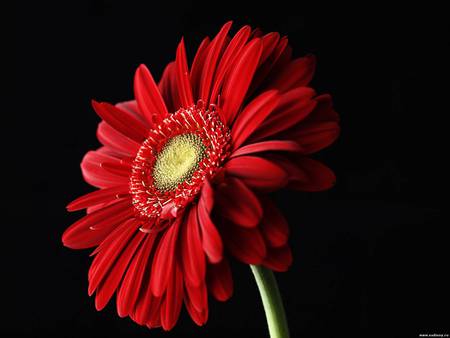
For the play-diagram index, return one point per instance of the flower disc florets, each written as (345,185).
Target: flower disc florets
(179,153)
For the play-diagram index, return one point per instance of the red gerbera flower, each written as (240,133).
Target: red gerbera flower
(184,172)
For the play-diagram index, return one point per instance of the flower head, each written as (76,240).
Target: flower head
(184,171)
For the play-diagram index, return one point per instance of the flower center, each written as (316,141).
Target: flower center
(177,161)
(180,153)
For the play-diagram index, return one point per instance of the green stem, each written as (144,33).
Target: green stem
(271,298)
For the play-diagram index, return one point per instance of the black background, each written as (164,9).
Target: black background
(370,254)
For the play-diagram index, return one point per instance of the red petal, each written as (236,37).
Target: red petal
(155,320)
(278,259)
(211,60)
(311,175)
(148,306)
(112,237)
(257,33)
(298,73)
(93,228)
(131,285)
(211,241)
(207,196)
(270,42)
(228,58)
(247,245)
(132,108)
(236,86)
(198,296)
(252,116)
(192,256)
(170,309)
(108,251)
(97,197)
(184,85)
(199,317)
(246,210)
(92,237)
(284,59)
(147,95)
(94,174)
(220,280)
(121,120)
(102,155)
(119,168)
(264,146)
(197,66)
(324,110)
(118,142)
(315,136)
(168,88)
(105,151)
(319,129)
(293,107)
(113,277)
(263,70)
(164,261)
(257,172)
(274,226)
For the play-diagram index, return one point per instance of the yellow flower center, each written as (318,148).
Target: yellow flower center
(177,161)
